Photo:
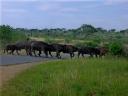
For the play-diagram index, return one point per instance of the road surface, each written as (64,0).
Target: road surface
(15,59)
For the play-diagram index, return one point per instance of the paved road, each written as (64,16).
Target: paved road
(14,59)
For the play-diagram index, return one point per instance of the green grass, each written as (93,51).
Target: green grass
(76,77)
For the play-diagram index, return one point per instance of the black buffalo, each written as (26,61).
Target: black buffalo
(10,48)
(26,45)
(85,50)
(70,49)
(99,51)
(58,48)
(39,46)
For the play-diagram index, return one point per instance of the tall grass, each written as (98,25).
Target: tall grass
(76,77)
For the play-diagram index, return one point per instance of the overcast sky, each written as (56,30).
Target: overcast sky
(65,13)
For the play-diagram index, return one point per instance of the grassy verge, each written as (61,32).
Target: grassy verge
(77,77)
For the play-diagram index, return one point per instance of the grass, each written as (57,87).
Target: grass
(76,77)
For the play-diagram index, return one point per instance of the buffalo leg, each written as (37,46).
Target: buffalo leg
(34,52)
(39,53)
(91,55)
(27,51)
(71,55)
(46,53)
(82,54)
(12,52)
(58,55)
(78,54)
(17,52)
(50,54)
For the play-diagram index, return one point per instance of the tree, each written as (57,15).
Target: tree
(5,34)
(88,28)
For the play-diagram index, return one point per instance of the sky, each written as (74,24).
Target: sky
(40,14)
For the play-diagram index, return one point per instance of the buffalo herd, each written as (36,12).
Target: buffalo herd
(35,48)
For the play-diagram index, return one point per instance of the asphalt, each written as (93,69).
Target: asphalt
(15,59)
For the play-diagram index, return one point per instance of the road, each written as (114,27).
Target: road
(15,59)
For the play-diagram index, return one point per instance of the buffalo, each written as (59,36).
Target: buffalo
(39,46)
(70,49)
(84,50)
(99,51)
(11,48)
(58,48)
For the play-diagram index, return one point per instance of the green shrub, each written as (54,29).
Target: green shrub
(115,48)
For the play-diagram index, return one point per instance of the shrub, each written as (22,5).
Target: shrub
(115,48)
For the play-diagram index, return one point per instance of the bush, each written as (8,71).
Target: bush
(115,48)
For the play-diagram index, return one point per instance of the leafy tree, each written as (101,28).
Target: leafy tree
(88,28)
(5,34)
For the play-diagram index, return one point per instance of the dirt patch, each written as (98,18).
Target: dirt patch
(8,72)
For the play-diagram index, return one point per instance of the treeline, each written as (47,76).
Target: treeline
(84,32)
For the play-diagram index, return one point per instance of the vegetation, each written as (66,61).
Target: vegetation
(9,35)
(115,48)
(77,77)
(84,32)
(85,35)
(5,34)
